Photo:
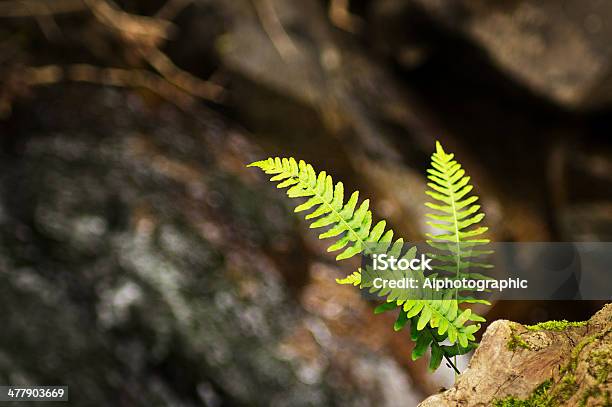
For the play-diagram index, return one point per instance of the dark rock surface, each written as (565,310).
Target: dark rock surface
(138,267)
(534,42)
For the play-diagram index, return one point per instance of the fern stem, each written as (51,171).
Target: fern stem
(448,360)
(451,364)
(456,224)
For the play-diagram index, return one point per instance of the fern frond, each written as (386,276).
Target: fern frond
(349,223)
(457,215)
(459,242)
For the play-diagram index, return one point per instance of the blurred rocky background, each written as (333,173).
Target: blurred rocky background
(140,262)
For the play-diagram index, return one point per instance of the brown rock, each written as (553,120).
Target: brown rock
(560,50)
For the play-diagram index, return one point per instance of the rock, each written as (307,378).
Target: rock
(566,364)
(581,174)
(560,50)
(140,265)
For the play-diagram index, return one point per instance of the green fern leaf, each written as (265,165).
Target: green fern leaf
(353,279)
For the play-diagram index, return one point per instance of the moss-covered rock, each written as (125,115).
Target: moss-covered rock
(539,398)
(552,364)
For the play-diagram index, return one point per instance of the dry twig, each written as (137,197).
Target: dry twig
(274,28)
(142,33)
(125,78)
(341,17)
(135,29)
(181,78)
(130,25)
(33,8)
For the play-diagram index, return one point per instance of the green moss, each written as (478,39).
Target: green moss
(578,348)
(545,395)
(555,325)
(567,386)
(594,391)
(600,364)
(516,341)
(564,390)
(539,398)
